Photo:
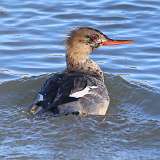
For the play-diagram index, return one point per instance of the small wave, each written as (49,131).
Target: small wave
(130,99)
(134,98)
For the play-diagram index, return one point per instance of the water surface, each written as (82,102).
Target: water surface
(32,35)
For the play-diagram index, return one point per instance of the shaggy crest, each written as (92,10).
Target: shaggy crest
(88,30)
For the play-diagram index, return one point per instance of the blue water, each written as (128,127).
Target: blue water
(32,38)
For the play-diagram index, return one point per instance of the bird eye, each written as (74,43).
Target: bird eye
(95,37)
(92,38)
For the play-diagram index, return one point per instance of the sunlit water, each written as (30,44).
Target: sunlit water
(32,35)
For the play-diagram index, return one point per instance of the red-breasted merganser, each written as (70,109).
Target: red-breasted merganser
(80,89)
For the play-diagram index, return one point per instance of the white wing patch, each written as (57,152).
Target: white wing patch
(40,97)
(83,92)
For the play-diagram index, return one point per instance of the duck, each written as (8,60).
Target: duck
(80,88)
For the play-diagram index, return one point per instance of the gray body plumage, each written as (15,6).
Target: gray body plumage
(74,92)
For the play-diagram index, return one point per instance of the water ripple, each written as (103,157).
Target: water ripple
(32,37)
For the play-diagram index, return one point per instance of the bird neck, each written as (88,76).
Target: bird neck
(82,63)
